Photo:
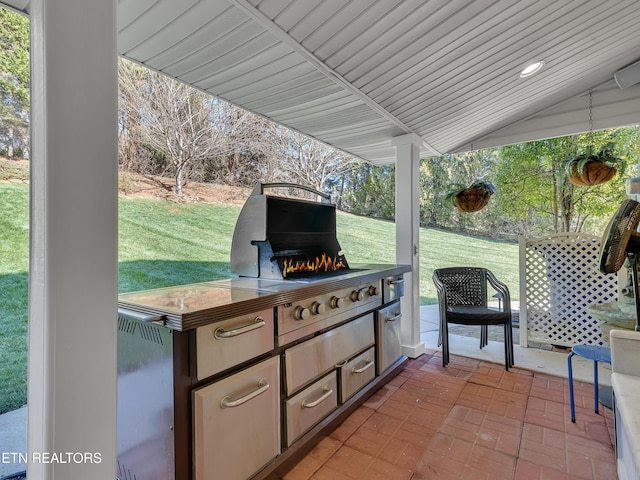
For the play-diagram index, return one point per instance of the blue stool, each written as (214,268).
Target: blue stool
(590,352)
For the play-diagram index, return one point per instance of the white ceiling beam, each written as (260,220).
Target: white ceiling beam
(612,107)
(271,27)
(19,6)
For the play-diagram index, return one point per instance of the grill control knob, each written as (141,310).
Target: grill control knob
(357,295)
(373,291)
(317,308)
(336,302)
(301,313)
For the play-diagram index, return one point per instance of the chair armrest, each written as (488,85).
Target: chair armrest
(502,289)
(625,351)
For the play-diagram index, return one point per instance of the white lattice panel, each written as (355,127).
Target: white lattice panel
(561,278)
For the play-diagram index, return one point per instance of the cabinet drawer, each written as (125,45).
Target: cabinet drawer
(392,288)
(310,359)
(236,423)
(356,373)
(310,406)
(228,343)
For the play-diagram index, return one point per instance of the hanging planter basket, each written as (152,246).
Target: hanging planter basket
(472,200)
(589,168)
(469,199)
(594,172)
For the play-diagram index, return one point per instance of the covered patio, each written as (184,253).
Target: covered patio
(469,420)
(386,81)
(473,419)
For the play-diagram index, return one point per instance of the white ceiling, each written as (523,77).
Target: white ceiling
(357,73)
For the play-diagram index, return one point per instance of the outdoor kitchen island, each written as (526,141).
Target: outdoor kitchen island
(238,378)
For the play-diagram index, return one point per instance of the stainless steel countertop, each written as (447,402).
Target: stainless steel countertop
(185,307)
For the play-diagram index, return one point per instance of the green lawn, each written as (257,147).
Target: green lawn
(163,243)
(367,240)
(14,237)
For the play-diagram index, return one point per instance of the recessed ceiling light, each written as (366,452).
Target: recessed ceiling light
(532,68)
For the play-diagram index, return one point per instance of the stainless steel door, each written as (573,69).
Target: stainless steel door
(388,341)
(236,423)
(228,343)
(145,400)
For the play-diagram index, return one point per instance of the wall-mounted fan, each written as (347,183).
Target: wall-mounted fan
(621,240)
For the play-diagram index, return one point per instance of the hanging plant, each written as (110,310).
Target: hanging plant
(469,198)
(589,168)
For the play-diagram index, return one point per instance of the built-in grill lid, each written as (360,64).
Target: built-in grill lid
(284,238)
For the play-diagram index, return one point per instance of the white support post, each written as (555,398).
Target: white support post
(71,426)
(522,268)
(408,237)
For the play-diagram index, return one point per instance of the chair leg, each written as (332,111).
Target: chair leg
(484,336)
(595,386)
(510,338)
(507,358)
(513,357)
(571,403)
(445,343)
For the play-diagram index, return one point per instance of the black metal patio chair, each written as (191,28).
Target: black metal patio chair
(462,298)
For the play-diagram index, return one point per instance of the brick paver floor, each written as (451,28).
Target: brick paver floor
(470,420)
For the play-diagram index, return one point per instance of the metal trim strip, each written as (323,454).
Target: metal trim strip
(298,291)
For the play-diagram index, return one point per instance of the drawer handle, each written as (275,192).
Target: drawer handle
(328,392)
(367,366)
(394,318)
(395,282)
(258,322)
(263,386)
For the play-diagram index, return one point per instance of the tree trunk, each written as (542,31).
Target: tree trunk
(566,205)
(554,206)
(179,178)
(10,142)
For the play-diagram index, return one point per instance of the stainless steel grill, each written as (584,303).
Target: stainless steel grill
(260,364)
(279,238)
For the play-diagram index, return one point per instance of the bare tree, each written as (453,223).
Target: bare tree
(251,154)
(132,154)
(206,138)
(177,120)
(256,148)
(309,162)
